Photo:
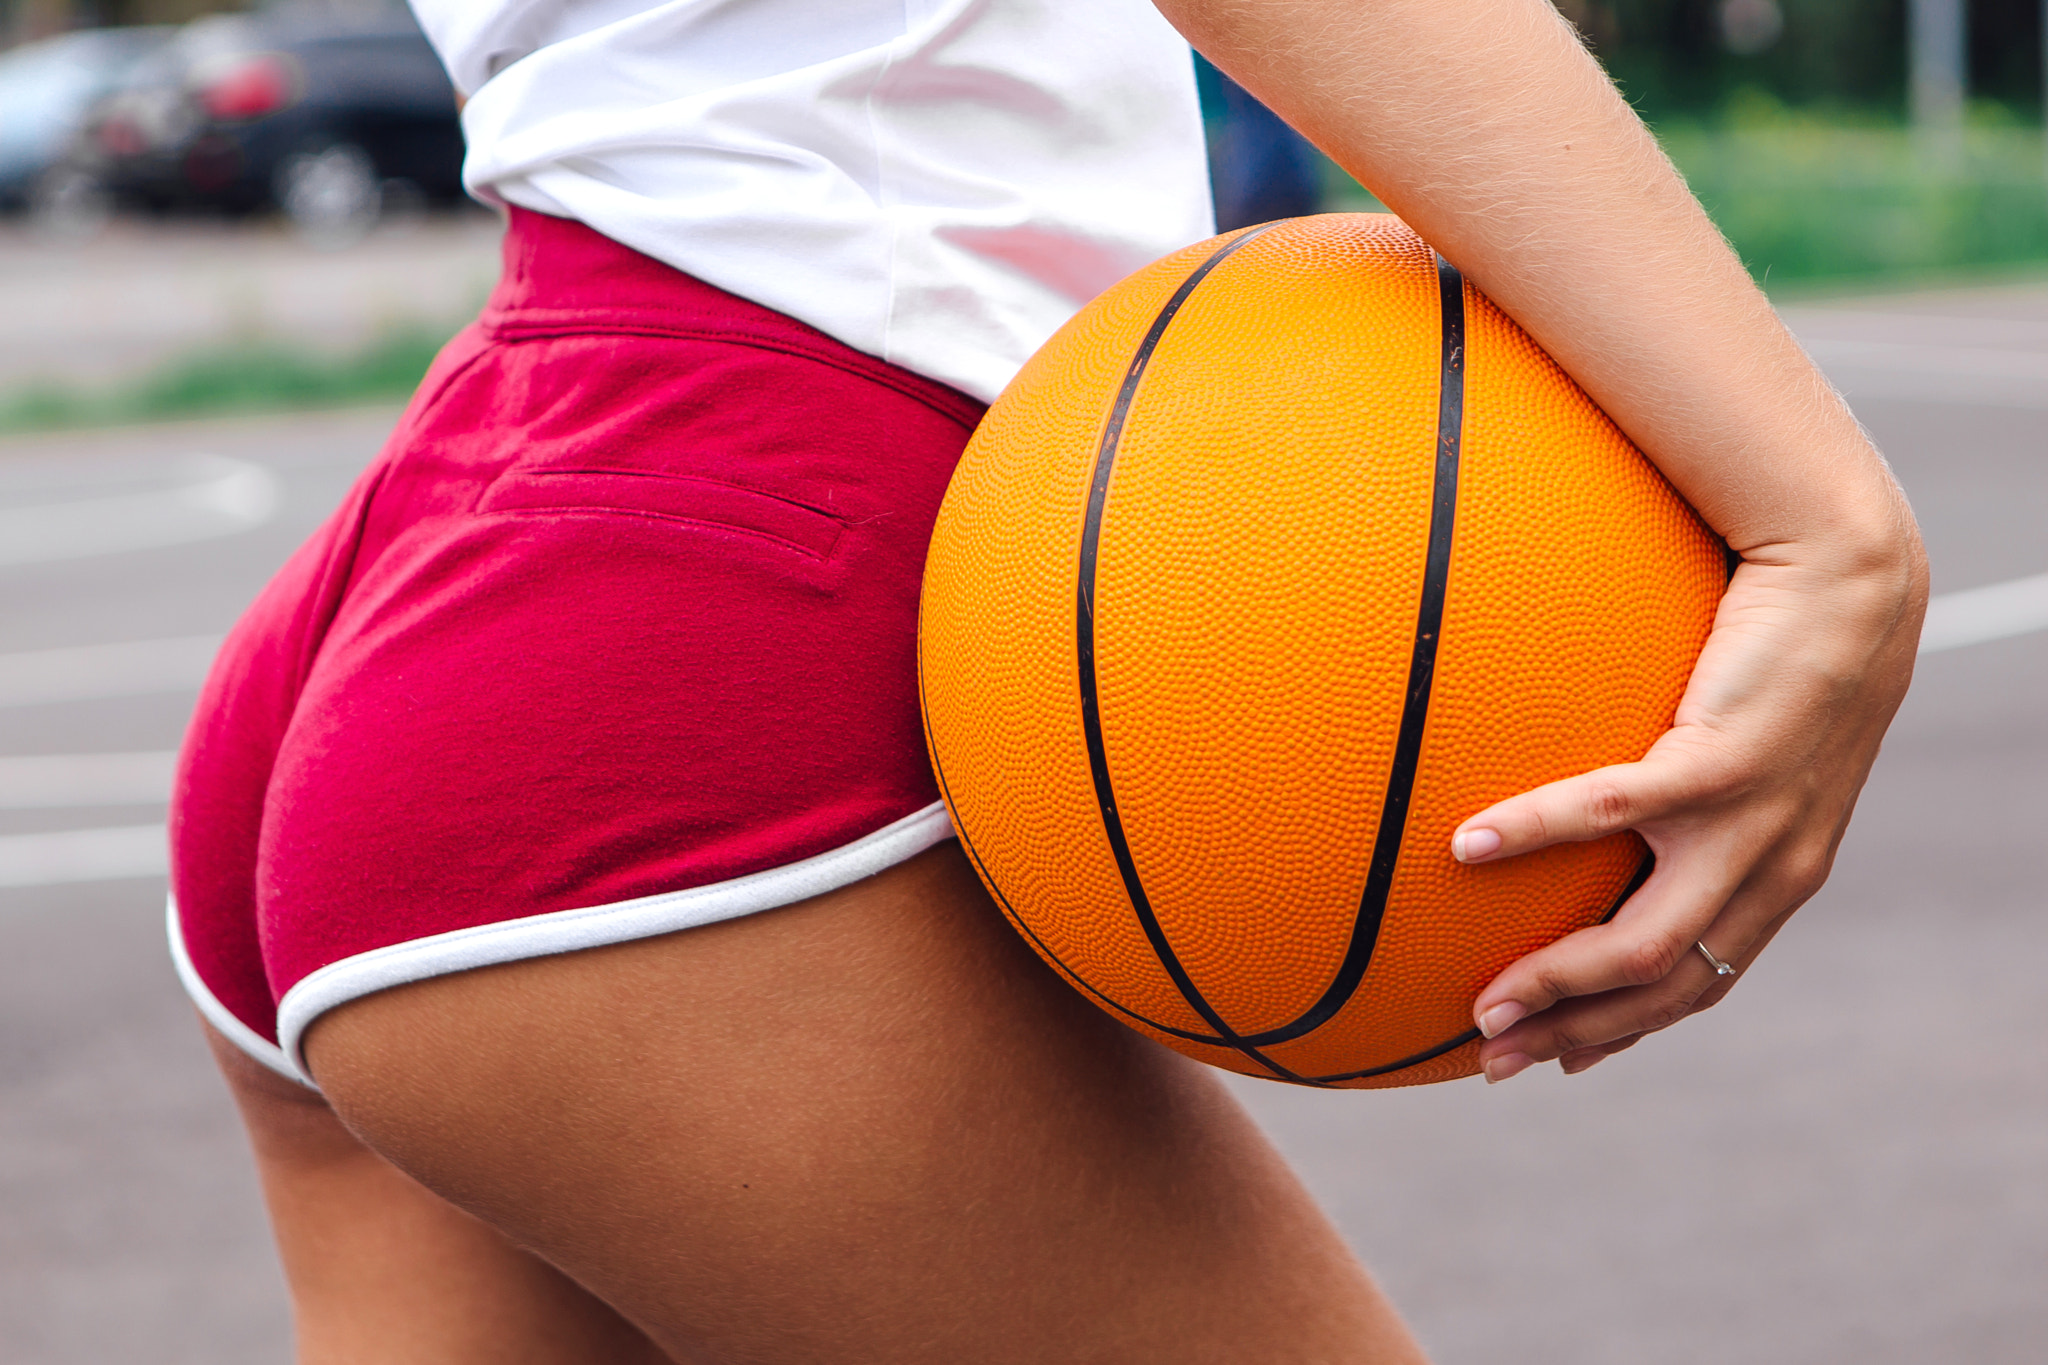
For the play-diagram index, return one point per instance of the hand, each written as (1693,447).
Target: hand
(1489,129)
(1743,801)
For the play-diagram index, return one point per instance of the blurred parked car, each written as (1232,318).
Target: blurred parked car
(322,108)
(46,89)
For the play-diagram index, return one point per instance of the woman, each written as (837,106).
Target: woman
(560,811)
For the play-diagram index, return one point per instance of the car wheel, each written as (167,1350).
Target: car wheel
(332,195)
(69,205)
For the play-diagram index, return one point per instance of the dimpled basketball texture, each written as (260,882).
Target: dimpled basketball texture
(1244,626)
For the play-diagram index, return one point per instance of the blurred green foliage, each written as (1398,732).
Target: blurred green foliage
(1806,196)
(1674,57)
(1797,145)
(1689,57)
(254,374)
(1788,119)
(1812,197)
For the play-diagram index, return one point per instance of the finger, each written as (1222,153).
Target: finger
(1718,988)
(1572,1063)
(1590,806)
(1640,946)
(1586,1029)
(1595,1021)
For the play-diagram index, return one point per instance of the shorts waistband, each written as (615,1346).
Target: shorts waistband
(562,278)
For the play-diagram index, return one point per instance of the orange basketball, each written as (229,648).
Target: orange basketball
(1285,556)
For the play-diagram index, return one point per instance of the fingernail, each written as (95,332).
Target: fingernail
(1474,844)
(1506,1065)
(1572,1066)
(1501,1018)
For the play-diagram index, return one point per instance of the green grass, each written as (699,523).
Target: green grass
(1818,198)
(1808,198)
(256,374)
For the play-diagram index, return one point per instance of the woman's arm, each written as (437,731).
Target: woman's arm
(1486,126)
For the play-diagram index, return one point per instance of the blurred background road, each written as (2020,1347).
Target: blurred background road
(141,296)
(228,258)
(1849,1161)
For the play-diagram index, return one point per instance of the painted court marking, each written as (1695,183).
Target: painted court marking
(83,855)
(132,668)
(140,667)
(47,514)
(1977,616)
(57,781)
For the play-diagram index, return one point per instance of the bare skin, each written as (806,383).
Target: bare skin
(1488,128)
(870,1127)
(382,1269)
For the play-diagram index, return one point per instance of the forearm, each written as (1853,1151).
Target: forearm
(1488,128)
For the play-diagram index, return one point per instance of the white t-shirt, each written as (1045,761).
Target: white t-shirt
(937,182)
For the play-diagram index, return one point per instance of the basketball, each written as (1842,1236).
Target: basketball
(1285,556)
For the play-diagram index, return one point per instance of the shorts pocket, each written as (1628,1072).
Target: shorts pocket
(666,497)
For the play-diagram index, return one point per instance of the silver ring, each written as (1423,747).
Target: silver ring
(1720,968)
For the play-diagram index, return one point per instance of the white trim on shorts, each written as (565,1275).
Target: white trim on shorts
(567,931)
(217,1014)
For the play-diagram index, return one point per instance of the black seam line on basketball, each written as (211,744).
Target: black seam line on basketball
(1084,643)
(1010,911)
(1418,1059)
(1429,618)
(1016,920)
(1635,884)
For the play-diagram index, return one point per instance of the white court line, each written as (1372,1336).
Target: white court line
(1977,616)
(210,496)
(133,668)
(83,855)
(1955,619)
(53,781)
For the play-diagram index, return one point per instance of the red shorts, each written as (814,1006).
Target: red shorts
(615,638)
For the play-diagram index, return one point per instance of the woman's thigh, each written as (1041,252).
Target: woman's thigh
(866,1127)
(384,1270)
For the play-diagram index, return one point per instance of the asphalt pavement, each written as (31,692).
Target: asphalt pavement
(142,294)
(1847,1162)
